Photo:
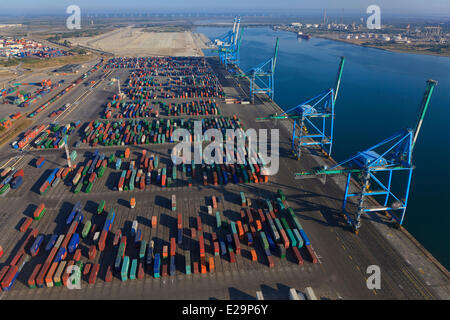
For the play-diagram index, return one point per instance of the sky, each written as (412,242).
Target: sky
(441,7)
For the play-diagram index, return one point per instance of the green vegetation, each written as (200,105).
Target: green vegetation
(154,28)
(78,50)
(9,62)
(17,127)
(77,34)
(39,63)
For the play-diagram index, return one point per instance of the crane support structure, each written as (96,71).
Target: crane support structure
(262,76)
(229,44)
(375,168)
(313,120)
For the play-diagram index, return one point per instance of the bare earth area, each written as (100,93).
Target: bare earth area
(136,42)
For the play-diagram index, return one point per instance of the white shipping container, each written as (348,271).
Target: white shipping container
(59,241)
(293,294)
(259,295)
(310,293)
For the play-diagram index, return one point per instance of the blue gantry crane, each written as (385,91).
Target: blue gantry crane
(229,44)
(376,167)
(262,76)
(313,120)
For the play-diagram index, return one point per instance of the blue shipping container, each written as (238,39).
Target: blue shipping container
(51,242)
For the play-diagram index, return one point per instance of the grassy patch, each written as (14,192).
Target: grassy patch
(166,29)
(17,127)
(37,63)
(9,62)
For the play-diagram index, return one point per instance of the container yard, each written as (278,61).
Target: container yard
(99,191)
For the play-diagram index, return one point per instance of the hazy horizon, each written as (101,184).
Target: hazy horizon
(292,7)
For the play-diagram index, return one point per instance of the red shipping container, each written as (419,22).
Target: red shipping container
(195,267)
(216,247)
(172,246)
(86,269)
(297,255)
(284,238)
(41,275)
(39,161)
(203,268)
(211,264)
(154,221)
(253,231)
(261,215)
(3,271)
(18,255)
(237,244)
(232,257)
(311,254)
(77,255)
(26,223)
(179,221)
(108,277)
(270,260)
(18,173)
(164,270)
(214,236)
(193,233)
(66,273)
(199,223)
(9,276)
(201,244)
(32,278)
(249,215)
(92,252)
(140,273)
(94,273)
(102,240)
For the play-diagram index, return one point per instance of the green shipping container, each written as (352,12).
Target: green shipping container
(264,241)
(142,249)
(124,270)
(285,223)
(299,238)
(292,237)
(101,207)
(281,194)
(101,172)
(88,188)
(233,227)
(86,229)
(133,269)
(78,187)
(219,221)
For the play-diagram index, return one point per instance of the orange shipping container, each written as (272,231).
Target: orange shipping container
(254,257)
(49,277)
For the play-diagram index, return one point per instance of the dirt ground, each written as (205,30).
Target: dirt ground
(136,42)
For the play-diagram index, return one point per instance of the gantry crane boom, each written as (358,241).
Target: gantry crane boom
(423,109)
(261,77)
(339,76)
